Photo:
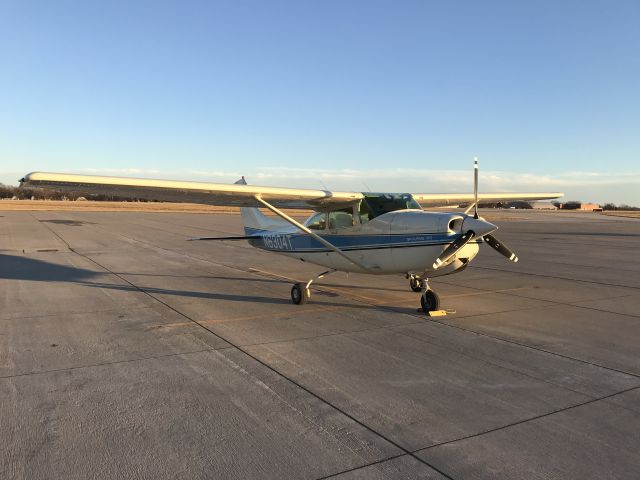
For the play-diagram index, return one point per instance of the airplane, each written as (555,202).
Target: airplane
(362,232)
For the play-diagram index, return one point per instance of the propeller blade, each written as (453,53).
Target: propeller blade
(494,243)
(452,249)
(475,187)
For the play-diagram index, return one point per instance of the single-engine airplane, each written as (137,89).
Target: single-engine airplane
(363,232)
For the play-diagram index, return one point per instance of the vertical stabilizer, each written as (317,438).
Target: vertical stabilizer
(253,218)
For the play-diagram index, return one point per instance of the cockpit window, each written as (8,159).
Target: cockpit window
(375,204)
(317,221)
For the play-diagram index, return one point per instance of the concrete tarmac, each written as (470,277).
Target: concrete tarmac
(128,352)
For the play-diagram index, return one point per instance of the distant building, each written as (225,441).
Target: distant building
(590,207)
(585,207)
(543,206)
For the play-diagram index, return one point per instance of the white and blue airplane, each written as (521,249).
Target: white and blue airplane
(363,232)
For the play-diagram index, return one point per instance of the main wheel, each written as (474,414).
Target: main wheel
(415,284)
(430,301)
(300,294)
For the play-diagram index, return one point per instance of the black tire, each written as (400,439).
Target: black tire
(299,294)
(415,284)
(430,301)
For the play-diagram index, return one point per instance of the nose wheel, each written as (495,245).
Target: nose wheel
(430,301)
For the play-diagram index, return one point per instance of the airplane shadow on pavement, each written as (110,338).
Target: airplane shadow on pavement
(17,267)
(69,223)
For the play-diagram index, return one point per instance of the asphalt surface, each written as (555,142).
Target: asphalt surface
(128,352)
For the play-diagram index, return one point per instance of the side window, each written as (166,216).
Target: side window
(365,212)
(317,222)
(341,219)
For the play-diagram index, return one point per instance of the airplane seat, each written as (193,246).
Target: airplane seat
(341,220)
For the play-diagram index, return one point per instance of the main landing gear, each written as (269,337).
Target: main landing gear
(415,283)
(429,300)
(300,292)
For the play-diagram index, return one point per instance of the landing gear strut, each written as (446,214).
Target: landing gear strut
(300,292)
(415,283)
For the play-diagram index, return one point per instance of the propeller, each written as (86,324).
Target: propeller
(452,249)
(476,226)
(475,187)
(500,247)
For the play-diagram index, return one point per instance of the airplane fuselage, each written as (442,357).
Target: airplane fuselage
(403,241)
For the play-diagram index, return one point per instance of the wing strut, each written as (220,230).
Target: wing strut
(309,232)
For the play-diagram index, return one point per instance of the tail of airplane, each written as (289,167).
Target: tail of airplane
(253,219)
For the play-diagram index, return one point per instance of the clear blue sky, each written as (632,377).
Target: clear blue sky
(398,95)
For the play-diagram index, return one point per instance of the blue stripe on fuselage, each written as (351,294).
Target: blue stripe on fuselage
(301,242)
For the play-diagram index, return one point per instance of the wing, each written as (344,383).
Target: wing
(442,199)
(191,192)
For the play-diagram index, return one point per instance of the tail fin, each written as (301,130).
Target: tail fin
(253,219)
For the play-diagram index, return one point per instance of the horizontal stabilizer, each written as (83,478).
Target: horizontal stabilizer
(245,237)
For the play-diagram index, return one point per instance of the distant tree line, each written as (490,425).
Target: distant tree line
(20,193)
(622,206)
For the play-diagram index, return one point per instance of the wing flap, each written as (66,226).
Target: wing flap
(236,195)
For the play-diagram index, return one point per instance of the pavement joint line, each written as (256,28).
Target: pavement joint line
(497,365)
(532,347)
(467,437)
(555,277)
(622,269)
(104,364)
(526,420)
(554,302)
(371,464)
(502,427)
(265,364)
(473,294)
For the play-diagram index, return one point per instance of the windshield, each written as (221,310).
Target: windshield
(375,204)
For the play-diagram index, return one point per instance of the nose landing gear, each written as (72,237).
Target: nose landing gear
(429,300)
